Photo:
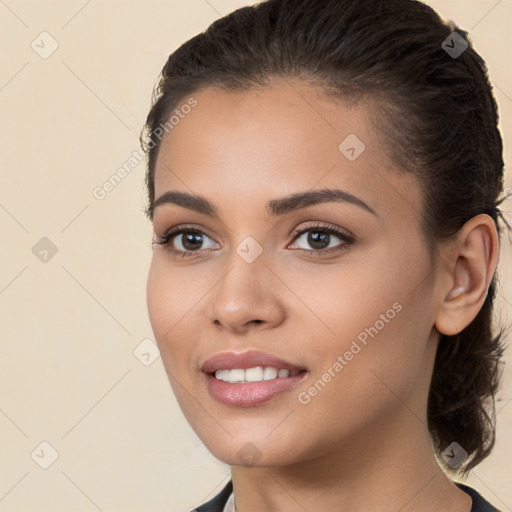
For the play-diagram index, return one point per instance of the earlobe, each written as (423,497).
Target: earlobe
(471,267)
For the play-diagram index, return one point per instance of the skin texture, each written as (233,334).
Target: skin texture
(361,443)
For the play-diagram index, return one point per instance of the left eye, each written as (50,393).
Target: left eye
(320,238)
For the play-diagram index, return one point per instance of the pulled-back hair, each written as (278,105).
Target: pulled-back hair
(435,110)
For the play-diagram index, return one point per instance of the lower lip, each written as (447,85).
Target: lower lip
(250,393)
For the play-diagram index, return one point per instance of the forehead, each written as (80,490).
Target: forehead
(273,141)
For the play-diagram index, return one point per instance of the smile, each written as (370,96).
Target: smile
(256,374)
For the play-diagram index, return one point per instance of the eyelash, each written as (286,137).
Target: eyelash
(346,238)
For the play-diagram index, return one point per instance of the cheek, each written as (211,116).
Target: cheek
(378,328)
(171,296)
(165,310)
(158,300)
(174,308)
(167,307)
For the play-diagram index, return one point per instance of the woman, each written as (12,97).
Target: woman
(323,182)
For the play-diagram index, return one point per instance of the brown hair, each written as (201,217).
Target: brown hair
(436,109)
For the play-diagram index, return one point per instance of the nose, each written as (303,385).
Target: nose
(247,297)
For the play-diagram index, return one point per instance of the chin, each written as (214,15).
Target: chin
(251,451)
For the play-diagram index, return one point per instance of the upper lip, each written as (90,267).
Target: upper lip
(244,360)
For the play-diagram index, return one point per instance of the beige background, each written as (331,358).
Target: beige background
(69,326)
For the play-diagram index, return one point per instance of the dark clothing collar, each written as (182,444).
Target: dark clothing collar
(218,502)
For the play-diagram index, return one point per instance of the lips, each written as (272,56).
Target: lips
(245,360)
(249,394)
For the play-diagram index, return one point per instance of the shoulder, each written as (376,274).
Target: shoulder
(480,504)
(217,503)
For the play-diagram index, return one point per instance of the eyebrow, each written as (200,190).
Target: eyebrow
(274,207)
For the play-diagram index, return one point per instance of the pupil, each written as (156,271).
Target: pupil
(191,238)
(313,239)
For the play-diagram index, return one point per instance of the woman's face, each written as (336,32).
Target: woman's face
(356,319)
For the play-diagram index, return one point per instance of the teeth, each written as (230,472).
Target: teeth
(253,374)
(270,373)
(236,375)
(222,374)
(256,374)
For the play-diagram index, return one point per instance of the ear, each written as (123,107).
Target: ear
(470,264)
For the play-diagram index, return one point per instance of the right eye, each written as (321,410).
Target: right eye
(189,241)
